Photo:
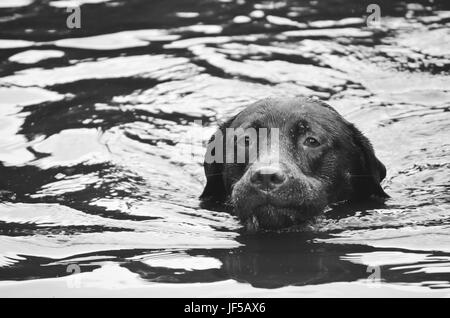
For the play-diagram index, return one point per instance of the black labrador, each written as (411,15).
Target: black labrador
(281,161)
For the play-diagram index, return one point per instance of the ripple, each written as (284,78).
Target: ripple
(35,56)
(15,3)
(156,66)
(414,238)
(74,3)
(118,40)
(329,33)
(433,42)
(285,21)
(14,44)
(272,71)
(12,145)
(179,261)
(71,147)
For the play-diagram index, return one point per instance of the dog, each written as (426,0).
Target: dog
(281,161)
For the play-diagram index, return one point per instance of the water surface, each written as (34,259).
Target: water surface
(101,133)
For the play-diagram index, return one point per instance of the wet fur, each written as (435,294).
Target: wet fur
(343,168)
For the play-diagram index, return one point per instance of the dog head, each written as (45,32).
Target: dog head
(280,162)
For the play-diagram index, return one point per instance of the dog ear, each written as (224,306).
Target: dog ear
(215,188)
(370,171)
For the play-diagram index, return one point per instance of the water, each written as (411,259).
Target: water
(100,146)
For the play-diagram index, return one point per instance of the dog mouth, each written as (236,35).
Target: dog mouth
(270,217)
(275,212)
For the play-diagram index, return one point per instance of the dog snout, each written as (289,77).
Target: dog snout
(267,177)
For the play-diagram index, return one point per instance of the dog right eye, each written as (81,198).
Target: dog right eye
(245,140)
(311,142)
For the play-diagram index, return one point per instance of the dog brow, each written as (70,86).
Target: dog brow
(257,123)
(303,126)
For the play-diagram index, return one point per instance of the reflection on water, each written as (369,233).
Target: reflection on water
(101,146)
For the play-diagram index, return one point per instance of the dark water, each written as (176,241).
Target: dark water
(100,146)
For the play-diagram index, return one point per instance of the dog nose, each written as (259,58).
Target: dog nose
(267,177)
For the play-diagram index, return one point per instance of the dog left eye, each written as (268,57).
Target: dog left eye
(246,140)
(311,142)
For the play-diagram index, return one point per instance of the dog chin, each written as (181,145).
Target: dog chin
(268,217)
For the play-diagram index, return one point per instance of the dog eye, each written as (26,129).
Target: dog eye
(245,140)
(311,142)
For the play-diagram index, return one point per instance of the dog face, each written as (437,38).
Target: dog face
(280,162)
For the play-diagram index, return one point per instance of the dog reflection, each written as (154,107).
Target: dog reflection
(266,263)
